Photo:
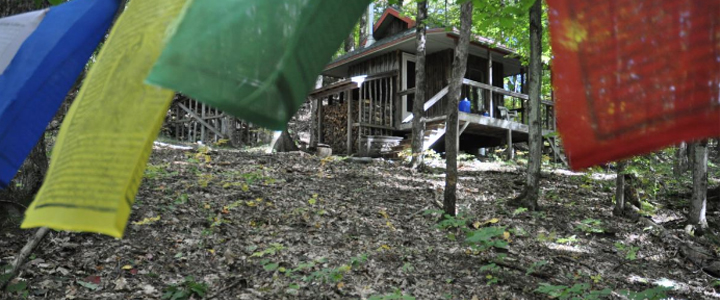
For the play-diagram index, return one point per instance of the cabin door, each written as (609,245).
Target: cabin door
(408,81)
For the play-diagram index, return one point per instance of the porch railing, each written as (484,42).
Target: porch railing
(485,98)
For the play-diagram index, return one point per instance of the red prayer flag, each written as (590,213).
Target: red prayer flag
(634,76)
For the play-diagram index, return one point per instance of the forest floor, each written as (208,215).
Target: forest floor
(247,225)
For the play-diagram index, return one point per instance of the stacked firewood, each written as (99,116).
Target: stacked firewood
(335,127)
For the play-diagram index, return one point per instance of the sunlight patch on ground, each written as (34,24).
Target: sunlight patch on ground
(672,284)
(158,145)
(569,248)
(596,176)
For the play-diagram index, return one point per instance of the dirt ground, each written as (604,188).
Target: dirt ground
(247,225)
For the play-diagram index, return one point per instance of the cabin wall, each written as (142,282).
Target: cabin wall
(385,63)
(438,73)
(438,70)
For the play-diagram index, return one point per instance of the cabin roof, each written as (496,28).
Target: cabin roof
(385,20)
(438,39)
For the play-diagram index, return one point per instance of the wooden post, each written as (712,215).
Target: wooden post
(202,128)
(194,132)
(349,99)
(510,151)
(523,90)
(491,110)
(381,87)
(359,127)
(320,118)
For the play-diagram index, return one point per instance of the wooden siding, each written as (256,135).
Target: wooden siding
(376,65)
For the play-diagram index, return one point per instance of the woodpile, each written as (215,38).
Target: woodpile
(334,128)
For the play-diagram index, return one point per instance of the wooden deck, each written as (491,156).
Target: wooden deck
(490,132)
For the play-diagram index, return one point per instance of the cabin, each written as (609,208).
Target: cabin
(368,111)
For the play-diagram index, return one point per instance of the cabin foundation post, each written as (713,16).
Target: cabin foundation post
(319,120)
(510,150)
(491,109)
(349,99)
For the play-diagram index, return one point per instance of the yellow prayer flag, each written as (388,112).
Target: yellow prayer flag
(106,138)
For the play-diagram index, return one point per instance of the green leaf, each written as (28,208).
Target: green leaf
(167,294)
(180,294)
(56,2)
(16,287)
(88,285)
(270,267)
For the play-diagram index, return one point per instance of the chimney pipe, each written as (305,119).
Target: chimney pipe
(370,24)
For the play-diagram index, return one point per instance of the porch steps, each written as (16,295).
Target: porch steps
(433,132)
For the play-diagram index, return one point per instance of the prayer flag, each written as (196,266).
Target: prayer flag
(633,76)
(256,60)
(106,138)
(42,53)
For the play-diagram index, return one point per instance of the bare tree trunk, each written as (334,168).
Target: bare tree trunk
(350,42)
(700,180)
(680,165)
(363,30)
(314,116)
(284,143)
(418,125)
(530,195)
(620,189)
(459,67)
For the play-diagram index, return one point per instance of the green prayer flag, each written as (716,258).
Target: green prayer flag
(254,59)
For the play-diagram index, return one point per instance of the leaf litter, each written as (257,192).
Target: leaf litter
(228,224)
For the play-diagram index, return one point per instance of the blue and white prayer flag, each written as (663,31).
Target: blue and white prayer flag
(42,53)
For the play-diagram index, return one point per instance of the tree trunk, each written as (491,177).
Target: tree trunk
(532,187)
(418,125)
(700,181)
(285,143)
(363,30)
(350,42)
(459,67)
(314,115)
(620,189)
(680,165)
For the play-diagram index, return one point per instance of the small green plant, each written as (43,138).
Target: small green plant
(567,240)
(274,248)
(185,290)
(490,269)
(656,293)
(486,238)
(535,266)
(577,291)
(519,210)
(465,157)
(397,295)
(629,251)
(158,171)
(204,180)
(542,237)
(589,226)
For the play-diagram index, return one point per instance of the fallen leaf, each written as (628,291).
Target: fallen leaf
(147,221)
(93,279)
(88,285)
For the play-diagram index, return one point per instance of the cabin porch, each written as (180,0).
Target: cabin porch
(358,116)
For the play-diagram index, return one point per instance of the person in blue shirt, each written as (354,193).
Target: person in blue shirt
(464,105)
